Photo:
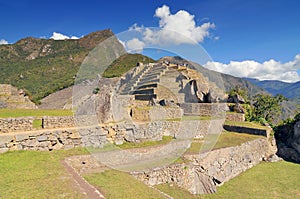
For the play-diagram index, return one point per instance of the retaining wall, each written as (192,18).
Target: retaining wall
(206,170)
(16,124)
(248,130)
(204,109)
(235,117)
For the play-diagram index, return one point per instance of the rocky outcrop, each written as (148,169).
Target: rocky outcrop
(288,141)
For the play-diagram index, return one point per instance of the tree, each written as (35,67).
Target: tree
(267,107)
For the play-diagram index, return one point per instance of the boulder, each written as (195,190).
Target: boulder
(236,99)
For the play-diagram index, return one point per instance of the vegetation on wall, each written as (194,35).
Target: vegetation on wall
(125,63)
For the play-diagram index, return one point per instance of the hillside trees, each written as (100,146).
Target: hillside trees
(262,108)
(267,107)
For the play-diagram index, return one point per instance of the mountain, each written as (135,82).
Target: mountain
(43,66)
(289,90)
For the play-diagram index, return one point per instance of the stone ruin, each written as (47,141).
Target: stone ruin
(12,97)
(172,82)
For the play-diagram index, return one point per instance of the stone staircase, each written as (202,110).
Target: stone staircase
(145,84)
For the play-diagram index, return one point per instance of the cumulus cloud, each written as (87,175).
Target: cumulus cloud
(268,70)
(3,41)
(59,36)
(135,45)
(183,23)
(174,29)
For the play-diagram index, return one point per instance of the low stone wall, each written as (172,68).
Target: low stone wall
(53,140)
(206,170)
(52,122)
(204,109)
(235,117)
(248,130)
(16,124)
(155,113)
(94,136)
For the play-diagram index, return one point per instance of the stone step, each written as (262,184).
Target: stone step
(147,82)
(153,85)
(145,69)
(145,97)
(153,73)
(148,79)
(144,91)
(158,67)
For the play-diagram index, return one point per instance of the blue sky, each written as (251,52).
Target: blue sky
(245,33)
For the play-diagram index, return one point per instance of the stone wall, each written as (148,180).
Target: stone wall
(235,117)
(93,136)
(11,97)
(7,89)
(204,171)
(53,139)
(155,113)
(204,109)
(16,124)
(248,130)
(51,122)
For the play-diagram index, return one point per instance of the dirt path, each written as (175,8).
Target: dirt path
(87,189)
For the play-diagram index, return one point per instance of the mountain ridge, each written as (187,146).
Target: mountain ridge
(42,66)
(289,90)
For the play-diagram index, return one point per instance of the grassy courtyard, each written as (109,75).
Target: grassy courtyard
(6,113)
(266,180)
(225,139)
(34,174)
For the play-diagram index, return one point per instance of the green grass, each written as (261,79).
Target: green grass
(37,124)
(246,124)
(119,185)
(226,139)
(266,180)
(5,113)
(130,145)
(33,174)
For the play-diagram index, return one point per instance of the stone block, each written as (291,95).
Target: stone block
(42,138)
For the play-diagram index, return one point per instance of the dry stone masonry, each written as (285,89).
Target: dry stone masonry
(16,124)
(207,170)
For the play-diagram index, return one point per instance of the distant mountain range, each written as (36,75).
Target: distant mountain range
(289,90)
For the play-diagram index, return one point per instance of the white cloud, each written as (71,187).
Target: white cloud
(174,29)
(135,45)
(59,36)
(268,70)
(3,41)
